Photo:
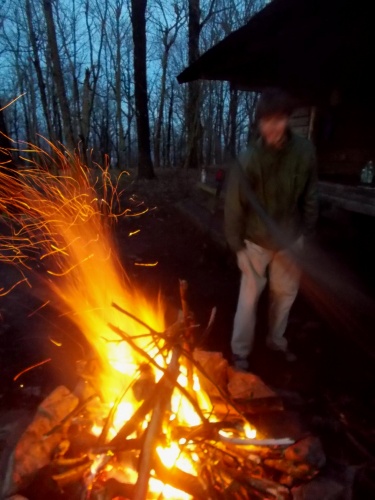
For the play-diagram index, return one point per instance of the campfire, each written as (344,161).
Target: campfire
(152,416)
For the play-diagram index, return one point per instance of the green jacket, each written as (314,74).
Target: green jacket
(283,182)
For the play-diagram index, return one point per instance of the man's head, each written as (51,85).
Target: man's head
(272,115)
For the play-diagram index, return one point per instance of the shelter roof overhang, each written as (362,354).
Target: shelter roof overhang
(309,47)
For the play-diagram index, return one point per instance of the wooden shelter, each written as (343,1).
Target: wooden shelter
(321,51)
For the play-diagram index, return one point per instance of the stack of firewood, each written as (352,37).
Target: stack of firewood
(59,443)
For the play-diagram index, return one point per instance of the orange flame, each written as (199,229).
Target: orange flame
(61,212)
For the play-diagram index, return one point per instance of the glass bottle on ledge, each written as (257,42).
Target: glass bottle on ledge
(367,173)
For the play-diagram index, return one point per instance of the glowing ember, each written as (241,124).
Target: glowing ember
(16,377)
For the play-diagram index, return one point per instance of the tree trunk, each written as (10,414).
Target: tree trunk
(233,107)
(194,127)
(34,128)
(130,112)
(219,123)
(159,122)
(169,35)
(93,73)
(57,126)
(138,18)
(251,104)
(38,70)
(169,127)
(120,126)
(85,116)
(16,121)
(104,139)
(208,127)
(58,76)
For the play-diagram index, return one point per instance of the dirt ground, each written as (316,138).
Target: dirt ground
(330,386)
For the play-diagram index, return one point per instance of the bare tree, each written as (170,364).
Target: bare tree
(38,68)
(168,31)
(168,141)
(138,17)
(58,76)
(93,72)
(84,73)
(14,47)
(233,109)
(224,115)
(193,121)
(119,36)
(194,128)
(128,92)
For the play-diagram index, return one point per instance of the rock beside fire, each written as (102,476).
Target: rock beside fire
(35,447)
(216,366)
(239,385)
(308,450)
(244,385)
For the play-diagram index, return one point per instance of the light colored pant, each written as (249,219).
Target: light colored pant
(284,276)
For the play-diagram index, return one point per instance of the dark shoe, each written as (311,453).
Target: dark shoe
(240,363)
(288,356)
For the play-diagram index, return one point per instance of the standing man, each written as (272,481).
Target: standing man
(279,172)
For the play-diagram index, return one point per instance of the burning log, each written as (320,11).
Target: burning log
(131,425)
(186,392)
(112,489)
(264,486)
(72,475)
(241,470)
(180,480)
(154,429)
(232,463)
(244,470)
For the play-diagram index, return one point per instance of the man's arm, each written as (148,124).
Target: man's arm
(234,217)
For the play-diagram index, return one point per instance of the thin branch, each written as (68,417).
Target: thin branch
(138,349)
(154,429)
(136,319)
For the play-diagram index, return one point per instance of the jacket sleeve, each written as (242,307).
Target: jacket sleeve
(234,215)
(310,208)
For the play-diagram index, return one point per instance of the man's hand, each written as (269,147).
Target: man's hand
(243,261)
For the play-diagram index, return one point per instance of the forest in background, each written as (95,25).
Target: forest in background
(99,76)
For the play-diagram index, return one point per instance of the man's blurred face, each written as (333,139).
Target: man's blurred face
(273,129)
